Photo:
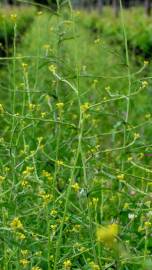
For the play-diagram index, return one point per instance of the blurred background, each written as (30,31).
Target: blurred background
(89,4)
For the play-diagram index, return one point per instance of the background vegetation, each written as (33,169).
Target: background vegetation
(75,145)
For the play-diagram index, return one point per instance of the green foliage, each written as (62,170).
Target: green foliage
(75,125)
(138,28)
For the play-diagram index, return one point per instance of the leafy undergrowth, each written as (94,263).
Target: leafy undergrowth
(75,152)
(138,27)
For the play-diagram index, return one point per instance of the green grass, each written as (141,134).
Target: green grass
(75,127)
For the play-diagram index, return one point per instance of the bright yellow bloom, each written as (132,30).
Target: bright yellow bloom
(144,84)
(60,105)
(75,187)
(21,236)
(24,262)
(52,68)
(136,136)
(36,268)
(85,106)
(120,177)
(16,224)
(13,17)
(107,235)
(94,266)
(67,264)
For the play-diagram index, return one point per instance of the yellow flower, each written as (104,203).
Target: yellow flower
(148,116)
(85,106)
(47,175)
(120,177)
(39,13)
(24,262)
(60,105)
(47,198)
(97,41)
(126,206)
(2,178)
(146,63)
(24,252)
(52,68)
(67,264)
(147,224)
(16,224)
(136,136)
(43,114)
(75,187)
(53,212)
(94,266)
(144,84)
(21,236)
(36,268)
(1,109)
(59,162)
(13,17)
(25,67)
(107,235)
(32,106)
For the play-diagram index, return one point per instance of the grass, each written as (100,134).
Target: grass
(75,148)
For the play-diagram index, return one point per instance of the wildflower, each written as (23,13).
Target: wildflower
(1,109)
(24,262)
(2,178)
(120,177)
(52,68)
(107,235)
(32,106)
(129,159)
(46,46)
(131,216)
(53,227)
(47,198)
(43,114)
(94,266)
(16,224)
(24,252)
(148,116)
(53,212)
(75,187)
(95,201)
(60,105)
(107,88)
(67,264)
(47,175)
(146,63)
(13,17)
(59,162)
(147,224)
(85,106)
(24,183)
(25,67)
(97,41)
(21,236)
(39,13)
(36,268)
(136,136)
(144,84)
(126,206)
(76,228)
